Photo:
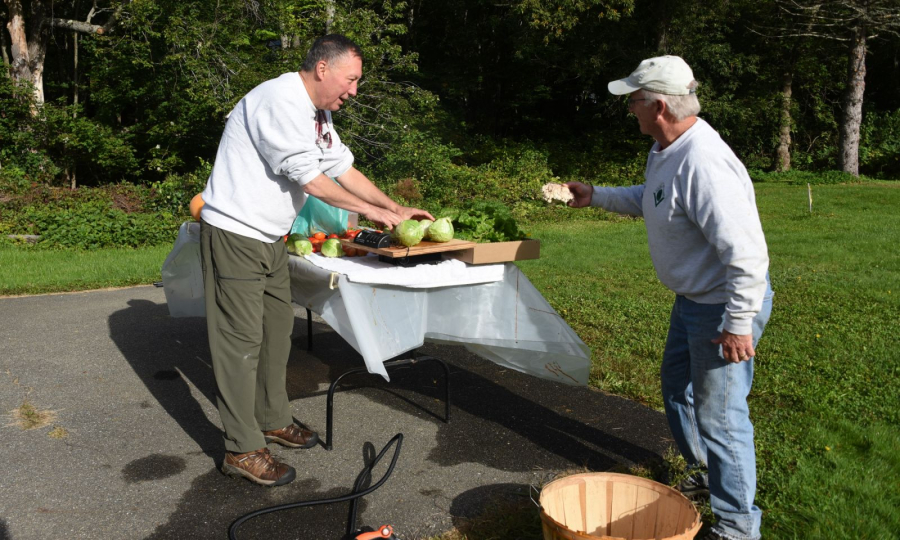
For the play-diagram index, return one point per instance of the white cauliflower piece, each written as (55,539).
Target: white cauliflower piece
(557,192)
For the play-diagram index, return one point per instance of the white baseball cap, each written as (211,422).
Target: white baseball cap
(669,75)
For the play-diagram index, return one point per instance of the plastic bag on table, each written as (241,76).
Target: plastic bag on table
(318,216)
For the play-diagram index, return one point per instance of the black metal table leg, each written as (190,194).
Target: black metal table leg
(329,420)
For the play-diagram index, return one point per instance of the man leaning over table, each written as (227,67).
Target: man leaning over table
(279,145)
(707,245)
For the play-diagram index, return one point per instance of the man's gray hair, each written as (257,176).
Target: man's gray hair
(329,48)
(680,107)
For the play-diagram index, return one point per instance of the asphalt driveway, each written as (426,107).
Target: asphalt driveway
(133,445)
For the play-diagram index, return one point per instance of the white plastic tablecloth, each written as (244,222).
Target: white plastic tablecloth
(505,321)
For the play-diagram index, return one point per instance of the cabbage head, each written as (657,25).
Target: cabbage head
(425,223)
(409,232)
(332,248)
(299,245)
(441,230)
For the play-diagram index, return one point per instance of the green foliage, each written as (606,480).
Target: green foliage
(80,144)
(560,16)
(171,73)
(387,105)
(97,224)
(430,164)
(518,171)
(445,175)
(173,195)
(88,218)
(485,221)
(879,147)
(13,179)
(47,140)
(23,157)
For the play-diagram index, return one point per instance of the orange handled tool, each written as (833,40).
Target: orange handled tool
(385,531)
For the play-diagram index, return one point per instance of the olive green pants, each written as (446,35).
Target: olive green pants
(249,319)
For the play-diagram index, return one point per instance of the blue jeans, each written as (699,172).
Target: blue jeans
(706,405)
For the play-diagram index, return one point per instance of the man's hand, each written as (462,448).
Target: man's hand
(582,194)
(736,348)
(385,218)
(407,212)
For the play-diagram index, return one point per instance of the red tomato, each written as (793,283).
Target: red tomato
(332,235)
(319,236)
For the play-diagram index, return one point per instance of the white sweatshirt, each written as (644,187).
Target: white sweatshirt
(706,240)
(268,152)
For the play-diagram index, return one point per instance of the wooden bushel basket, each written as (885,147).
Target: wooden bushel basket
(615,506)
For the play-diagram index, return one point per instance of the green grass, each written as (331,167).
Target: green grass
(35,271)
(827,367)
(825,399)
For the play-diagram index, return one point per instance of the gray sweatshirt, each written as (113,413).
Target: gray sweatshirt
(705,237)
(273,144)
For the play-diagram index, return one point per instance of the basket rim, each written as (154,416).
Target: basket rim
(627,478)
(660,488)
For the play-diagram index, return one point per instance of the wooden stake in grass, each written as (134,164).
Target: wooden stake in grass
(809,194)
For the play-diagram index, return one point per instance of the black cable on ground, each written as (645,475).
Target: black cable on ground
(398,438)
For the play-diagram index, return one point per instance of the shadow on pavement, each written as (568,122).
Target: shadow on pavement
(501,419)
(165,353)
(494,410)
(496,500)
(211,505)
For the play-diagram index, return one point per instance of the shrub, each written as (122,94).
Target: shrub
(22,154)
(427,162)
(407,189)
(96,224)
(879,147)
(173,195)
(13,179)
(517,173)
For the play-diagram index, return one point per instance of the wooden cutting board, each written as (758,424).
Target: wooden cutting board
(421,248)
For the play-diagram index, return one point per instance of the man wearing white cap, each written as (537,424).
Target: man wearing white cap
(707,245)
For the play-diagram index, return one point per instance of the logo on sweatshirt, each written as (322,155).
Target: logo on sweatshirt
(658,196)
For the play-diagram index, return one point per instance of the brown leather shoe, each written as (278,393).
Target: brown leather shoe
(293,436)
(258,466)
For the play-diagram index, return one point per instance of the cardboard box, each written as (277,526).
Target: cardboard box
(496,252)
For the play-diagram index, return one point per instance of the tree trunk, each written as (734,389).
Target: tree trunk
(661,13)
(75,72)
(329,15)
(784,140)
(20,66)
(28,47)
(38,38)
(853,101)
(3,47)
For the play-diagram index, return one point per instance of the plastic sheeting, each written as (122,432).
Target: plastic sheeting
(182,275)
(507,321)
